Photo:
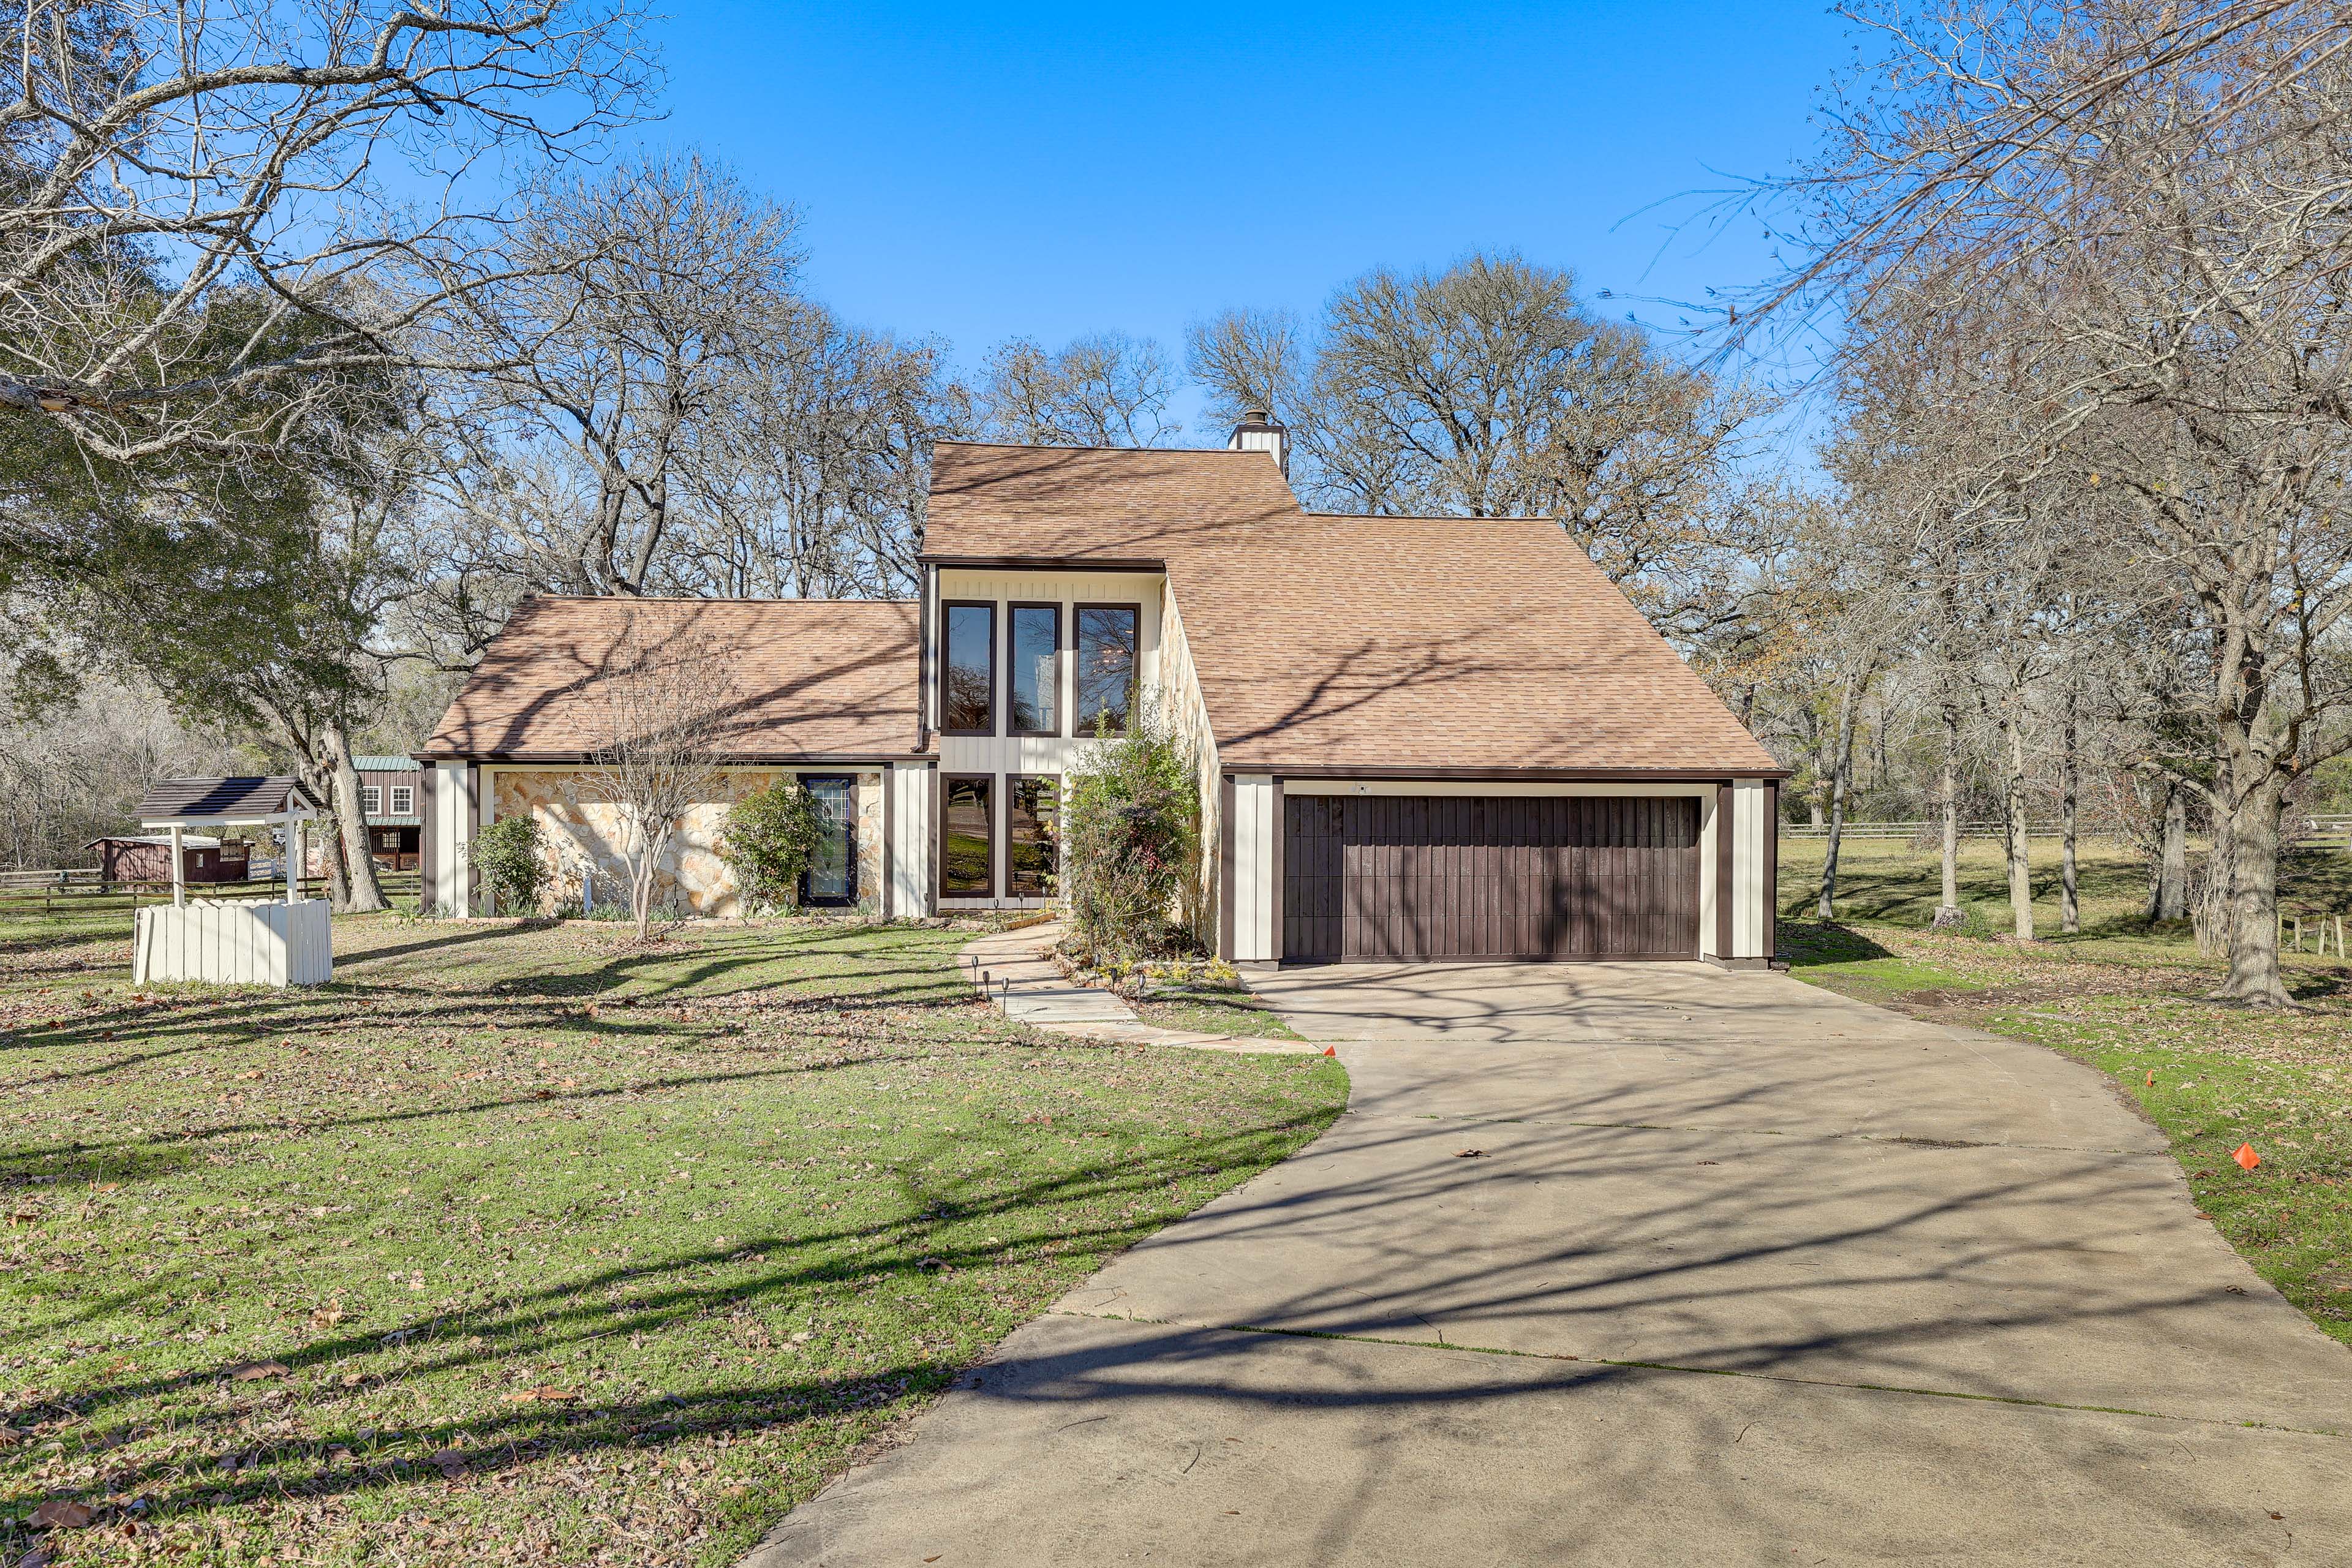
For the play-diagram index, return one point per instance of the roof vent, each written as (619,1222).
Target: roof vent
(1259,431)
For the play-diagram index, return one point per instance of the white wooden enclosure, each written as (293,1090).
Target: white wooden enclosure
(249,942)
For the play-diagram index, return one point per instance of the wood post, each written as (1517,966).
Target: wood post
(179,870)
(293,858)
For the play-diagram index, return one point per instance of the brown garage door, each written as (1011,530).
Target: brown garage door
(1374,878)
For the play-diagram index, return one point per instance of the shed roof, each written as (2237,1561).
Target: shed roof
(223,800)
(814,678)
(402,764)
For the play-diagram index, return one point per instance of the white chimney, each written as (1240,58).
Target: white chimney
(1260,432)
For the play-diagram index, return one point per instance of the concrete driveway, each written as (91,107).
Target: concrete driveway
(1636,1262)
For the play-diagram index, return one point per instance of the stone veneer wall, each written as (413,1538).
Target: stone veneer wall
(583,832)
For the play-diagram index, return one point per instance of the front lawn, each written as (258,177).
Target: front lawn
(517,1245)
(2128,998)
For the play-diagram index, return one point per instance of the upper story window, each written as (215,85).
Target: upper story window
(1106,642)
(968,669)
(1035,689)
(371,801)
(403,800)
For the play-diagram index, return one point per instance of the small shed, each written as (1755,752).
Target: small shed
(249,941)
(133,857)
(391,799)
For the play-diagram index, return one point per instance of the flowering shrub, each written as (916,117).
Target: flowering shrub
(1131,843)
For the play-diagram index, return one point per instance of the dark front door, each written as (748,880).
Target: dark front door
(1369,879)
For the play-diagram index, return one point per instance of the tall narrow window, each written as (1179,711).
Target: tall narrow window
(1036,683)
(1106,655)
(968,839)
(1032,849)
(371,801)
(831,878)
(968,671)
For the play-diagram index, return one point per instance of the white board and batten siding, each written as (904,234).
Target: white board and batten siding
(907,809)
(255,941)
(1001,756)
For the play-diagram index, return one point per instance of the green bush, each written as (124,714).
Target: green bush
(1132,842)
(507,855)
(768,840)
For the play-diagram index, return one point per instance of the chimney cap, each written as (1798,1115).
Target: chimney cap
(1256,415)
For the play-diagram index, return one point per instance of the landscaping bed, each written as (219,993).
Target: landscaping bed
(523,1243)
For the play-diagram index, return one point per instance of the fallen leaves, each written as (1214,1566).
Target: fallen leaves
(545,1393)
(254,1370)
(1469,1153)
(62,1513)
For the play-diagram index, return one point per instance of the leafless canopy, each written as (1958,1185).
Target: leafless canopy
(668,699)
(212,204)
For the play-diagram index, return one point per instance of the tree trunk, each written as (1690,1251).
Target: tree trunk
(1841,765)
(2070,902)
(2020,880)
(363,891)
(2169,899)
(2253,852)
(1950,911)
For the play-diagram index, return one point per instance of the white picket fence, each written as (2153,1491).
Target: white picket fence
(250,941)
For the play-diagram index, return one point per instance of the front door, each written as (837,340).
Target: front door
(831,879)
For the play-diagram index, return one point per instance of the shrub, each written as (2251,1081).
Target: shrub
(1131,837)
(768,839)
(507,855)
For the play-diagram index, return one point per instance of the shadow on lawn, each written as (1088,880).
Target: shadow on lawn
(555,1318)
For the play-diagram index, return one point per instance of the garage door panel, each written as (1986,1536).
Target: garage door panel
(1376,878)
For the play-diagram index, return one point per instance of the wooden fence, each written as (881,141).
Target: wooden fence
(79,890)
(1931,829)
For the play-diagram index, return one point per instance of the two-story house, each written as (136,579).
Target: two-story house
(392,798)
(1440,738)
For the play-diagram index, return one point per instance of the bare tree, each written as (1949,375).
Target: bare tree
(212,204)
(1104,389)
(1487,389)
(666,703)
(2155,194)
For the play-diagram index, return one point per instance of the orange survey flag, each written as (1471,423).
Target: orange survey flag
(2246,1157)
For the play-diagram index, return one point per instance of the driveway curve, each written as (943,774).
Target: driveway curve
(1650,1261)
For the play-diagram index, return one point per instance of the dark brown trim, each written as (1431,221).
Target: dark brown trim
(1012,781)
(1507,774)
(996,629)
(802,891)
(1274,893)
(996,839)
(1225,868)
(1772,869)
(1042,562)
(923,656)
(1134,677)
(1061,649)
(1723,819)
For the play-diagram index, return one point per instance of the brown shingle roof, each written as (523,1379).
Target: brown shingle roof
(189,800)
(1335,642)
(1092,503)
(816,679)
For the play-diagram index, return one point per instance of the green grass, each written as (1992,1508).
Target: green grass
(536,1246)
(2128,998)
(1236,1013)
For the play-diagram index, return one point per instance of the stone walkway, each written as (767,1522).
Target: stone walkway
(1009,967)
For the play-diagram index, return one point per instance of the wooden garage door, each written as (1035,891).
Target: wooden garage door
(1372,877)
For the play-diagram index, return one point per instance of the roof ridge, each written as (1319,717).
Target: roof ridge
(1433,517)
(706,599)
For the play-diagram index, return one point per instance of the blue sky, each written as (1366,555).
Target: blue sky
(983,171)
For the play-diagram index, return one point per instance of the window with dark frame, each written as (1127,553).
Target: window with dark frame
(968,836)
(1033,691)
(1107,641)
(968,668)
(831,879)
(1032,808)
